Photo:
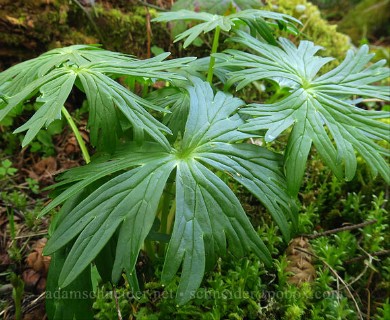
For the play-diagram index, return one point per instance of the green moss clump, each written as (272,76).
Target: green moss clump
(126,31)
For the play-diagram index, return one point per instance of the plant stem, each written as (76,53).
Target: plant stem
(166,200)
(77,134)
(118,310)
(165,208)
(149,249)
(145,89)
(17,294)
(171,217)
(214,49)
(164,213)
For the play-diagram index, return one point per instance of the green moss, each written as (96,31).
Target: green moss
(126,31)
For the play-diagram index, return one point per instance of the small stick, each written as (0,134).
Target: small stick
(33,303)
(97,30)
(373,100)
(332,231)
(32,235)
(368,304)
(146,4)
(118,310)
(148,32)
(374,254)
(337,277)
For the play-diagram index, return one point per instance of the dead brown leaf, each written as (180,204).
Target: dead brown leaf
(300,264)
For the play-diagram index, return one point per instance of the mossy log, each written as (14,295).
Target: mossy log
(31,27)
(368,20)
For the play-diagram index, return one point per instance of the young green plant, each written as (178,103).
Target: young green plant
(254,19)
(110,206)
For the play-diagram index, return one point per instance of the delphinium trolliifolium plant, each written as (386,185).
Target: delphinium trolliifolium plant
(109,207)
(208,215)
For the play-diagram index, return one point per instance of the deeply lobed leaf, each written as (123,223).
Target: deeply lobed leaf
(317,108)
(208,215)
(53,97)
(19,76)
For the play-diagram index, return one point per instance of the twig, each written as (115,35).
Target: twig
(102,39)
(33,303)
(369,294)
(118,310)
(337,277)
(146,4)
(3,312)
(151,5)
(148,32)
(39,298)
(366,265)
(374,254)
(368,304)
(350,227)
(373,100)
(32,235)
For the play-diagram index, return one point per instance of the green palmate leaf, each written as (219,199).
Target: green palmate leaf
(265,184)
(52,75)
(208,215)
(155,67)
(10,102)
(253,18)
(132,155)
(73,302)
(317,108)
(24,73)
(136,227)
(127,198)
(53,96)
(104,96)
